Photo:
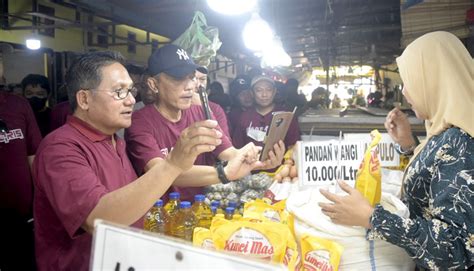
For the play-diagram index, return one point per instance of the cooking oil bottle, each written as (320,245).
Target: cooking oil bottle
(202,212)
(213,211)
(184,222)
(172,206)
(157,219)
(229,213)
(171,209)
(217,204)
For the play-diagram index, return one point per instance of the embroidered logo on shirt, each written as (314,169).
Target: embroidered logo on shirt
(11,135)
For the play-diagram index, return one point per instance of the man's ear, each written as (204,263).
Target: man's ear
(82,98)
(152,84)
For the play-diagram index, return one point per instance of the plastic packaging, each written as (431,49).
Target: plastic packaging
(369,178)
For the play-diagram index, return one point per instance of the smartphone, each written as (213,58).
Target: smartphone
(204,102)
(277,131)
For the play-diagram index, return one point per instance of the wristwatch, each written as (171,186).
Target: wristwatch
(220,172)
(408,152)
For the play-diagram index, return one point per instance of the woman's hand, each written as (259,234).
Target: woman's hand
(399,129)
(350,210)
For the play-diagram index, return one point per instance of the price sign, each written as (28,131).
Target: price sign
(388,156)
(323,162)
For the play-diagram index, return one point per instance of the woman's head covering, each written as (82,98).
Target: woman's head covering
(438,73)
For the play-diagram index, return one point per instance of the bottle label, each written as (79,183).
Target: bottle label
(149,215)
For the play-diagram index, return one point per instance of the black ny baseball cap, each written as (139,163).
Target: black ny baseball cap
(172,60)
(239,84)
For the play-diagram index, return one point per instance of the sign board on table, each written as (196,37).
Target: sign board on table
(388,156)
(120,248)
(321,163)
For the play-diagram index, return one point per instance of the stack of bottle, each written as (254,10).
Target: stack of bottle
(179,218)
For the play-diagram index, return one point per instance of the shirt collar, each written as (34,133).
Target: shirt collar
(87,130)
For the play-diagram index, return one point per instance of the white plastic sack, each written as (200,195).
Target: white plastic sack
(359,254)
(392,181)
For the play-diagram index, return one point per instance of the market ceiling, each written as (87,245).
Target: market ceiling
(313,32)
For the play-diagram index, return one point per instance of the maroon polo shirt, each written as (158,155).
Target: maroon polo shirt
(152,135)
(75,166)
(221,117)
(21,140)
(233,118)
(262,123)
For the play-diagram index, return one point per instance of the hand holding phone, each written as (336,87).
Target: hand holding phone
(278,128)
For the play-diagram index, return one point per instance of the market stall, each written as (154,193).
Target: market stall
(352,120)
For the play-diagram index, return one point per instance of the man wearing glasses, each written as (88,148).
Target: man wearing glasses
(82,171)
(155,128)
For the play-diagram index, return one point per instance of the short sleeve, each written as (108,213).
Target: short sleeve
(141,144)
(64,175)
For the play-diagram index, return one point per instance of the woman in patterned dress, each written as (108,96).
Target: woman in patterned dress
(438,186)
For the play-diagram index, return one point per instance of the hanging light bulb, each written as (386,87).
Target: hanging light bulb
(275,55)
(257,34)
(33,43)
(232,7)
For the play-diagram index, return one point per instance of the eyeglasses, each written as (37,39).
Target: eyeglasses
(122,93)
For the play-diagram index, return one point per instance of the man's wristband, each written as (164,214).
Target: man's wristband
(220,172)
(407,152)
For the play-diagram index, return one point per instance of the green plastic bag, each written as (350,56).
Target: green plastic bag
(200,40)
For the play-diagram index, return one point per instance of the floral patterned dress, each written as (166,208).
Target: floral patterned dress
(439,192)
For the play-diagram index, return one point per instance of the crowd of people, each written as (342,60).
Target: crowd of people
(128,136)
(124,135)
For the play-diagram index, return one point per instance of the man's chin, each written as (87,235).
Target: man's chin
(185,106)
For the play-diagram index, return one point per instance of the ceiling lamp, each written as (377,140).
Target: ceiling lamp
(232,7)
(257,34)
(275,55)
(33,43)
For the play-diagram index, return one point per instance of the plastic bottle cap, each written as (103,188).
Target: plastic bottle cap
(229,210)
(216,203)
(213,209)
(199,197)
(159,203)
(232,204)
(174,195)
(185,204)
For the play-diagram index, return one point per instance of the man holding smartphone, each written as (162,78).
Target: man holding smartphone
(156,127)
(254,123)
